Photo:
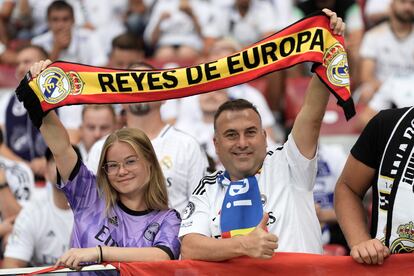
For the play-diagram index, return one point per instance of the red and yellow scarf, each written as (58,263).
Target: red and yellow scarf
(308,40)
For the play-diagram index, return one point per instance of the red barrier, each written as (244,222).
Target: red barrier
(280,264)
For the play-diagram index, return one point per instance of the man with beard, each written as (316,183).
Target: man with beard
(388,49)
(181,158)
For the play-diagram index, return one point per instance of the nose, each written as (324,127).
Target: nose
(242,142)
(97,133)
(122,169)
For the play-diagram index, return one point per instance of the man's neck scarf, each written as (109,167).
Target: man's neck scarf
(242,208)
(308,40)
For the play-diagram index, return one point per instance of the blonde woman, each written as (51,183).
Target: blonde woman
(121,214)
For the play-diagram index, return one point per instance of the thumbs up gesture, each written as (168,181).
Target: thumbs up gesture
(259,243)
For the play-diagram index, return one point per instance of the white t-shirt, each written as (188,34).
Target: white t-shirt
(393,56)
(376,6)
(247,29)
(179,28)
(188,108)
(38,10)
(105,15)
(84,47)
(20,179)
(41,233)
(286,186)
(394,92)
(181,158)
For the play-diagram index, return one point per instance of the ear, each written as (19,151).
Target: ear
(215,141)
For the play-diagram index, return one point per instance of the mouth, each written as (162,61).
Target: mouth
(242,154)
(125,180)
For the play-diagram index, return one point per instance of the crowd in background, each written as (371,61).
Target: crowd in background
(159,34)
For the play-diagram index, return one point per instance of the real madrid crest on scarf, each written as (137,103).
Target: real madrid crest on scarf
(242,206)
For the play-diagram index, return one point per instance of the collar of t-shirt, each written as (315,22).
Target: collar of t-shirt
(224,178)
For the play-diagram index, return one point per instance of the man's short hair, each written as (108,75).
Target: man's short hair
(60,5)
(235,105)
(40,49)
(108,107)
(127,41)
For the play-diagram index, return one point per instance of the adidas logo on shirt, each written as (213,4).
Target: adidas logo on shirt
(51,234)
(113,220)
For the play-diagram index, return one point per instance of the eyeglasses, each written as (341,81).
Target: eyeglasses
(113,167)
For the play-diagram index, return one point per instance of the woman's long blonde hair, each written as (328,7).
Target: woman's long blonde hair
(155,196)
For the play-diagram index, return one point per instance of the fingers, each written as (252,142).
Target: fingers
(267,254)
(70,260)
(37,67)
(370,252)
(379,252)
(335,23)
(357,255)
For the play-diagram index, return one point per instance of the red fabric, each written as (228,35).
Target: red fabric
(281,264)
(44,270)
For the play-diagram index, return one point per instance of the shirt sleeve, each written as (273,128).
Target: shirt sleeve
(302,169)
(197,167)
(366,148)
(370,145)
(21,242)
(21,180)
(80,190)
(196,217)
(167,237)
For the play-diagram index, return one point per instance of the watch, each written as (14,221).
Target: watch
(3,185)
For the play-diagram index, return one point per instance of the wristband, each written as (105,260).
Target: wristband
(4,185)
(99,248)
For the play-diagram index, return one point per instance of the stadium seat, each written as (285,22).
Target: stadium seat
(294,97)
(335,123)
(260,84)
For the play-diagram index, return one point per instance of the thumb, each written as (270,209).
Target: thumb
(263,223)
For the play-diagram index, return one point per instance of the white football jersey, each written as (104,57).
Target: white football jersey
(286,184)
(41,233)
(393,56)
(20,179)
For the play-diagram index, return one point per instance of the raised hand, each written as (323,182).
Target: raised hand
(336,23)
(38,67)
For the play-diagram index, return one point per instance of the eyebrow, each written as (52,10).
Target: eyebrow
(252,128)
(133,155)
(235,130)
